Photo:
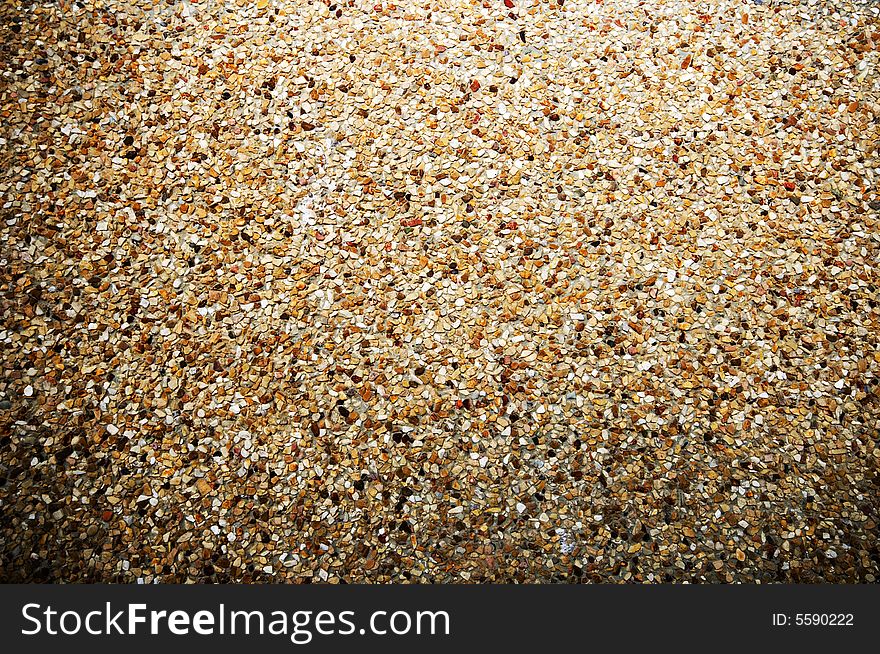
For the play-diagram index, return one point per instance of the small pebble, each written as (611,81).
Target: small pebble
(505,292)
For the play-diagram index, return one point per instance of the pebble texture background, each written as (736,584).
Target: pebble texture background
(439,291)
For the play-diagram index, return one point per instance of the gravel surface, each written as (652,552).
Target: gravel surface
(449,291)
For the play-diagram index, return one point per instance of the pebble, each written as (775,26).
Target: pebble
(500,292)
